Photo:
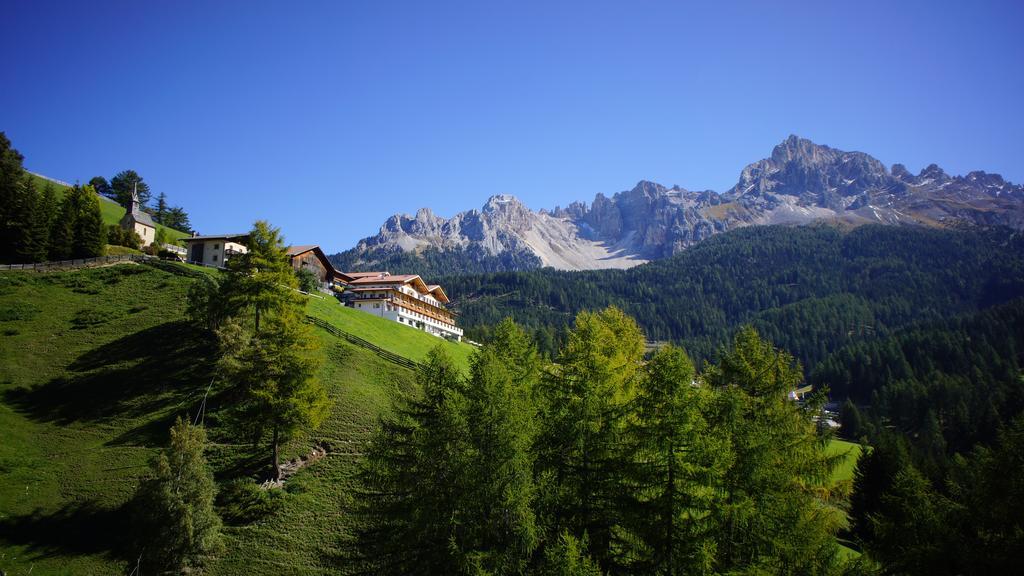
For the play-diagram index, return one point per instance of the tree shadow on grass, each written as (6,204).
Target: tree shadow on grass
(143,373)
(79,529)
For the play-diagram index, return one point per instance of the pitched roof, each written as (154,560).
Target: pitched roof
(296,250)
(141,218)
(240,237)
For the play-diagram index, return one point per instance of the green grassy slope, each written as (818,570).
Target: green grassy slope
(392,336)
(95,365)
(844,472)
(111,211)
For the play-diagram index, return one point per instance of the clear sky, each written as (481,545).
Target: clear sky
(327,117)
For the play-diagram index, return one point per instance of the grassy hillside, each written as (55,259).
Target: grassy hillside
(95,366)
(111,211)
(392,336)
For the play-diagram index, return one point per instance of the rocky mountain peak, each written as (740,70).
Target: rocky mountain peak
(932,173)
(799,182)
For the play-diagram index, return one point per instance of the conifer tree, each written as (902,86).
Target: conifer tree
(88,231)
(776,514)
(679,466)
(500,528)
(585,404)
(567,556)
(177,526)
(273,373)
(46,210)
(262,280)
(412,497)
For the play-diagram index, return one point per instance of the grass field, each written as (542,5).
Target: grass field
(844,472)
(95,365)
(111,211)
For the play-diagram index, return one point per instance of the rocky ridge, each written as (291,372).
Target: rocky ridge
(799,183)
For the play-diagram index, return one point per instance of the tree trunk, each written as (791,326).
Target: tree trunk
(275,460)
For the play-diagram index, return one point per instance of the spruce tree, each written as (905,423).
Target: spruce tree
(176,523)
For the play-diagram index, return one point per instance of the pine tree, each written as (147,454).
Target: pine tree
(585,405)
(567,556)
(175,519)
(124,183)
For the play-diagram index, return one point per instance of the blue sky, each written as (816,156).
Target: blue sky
(327,117)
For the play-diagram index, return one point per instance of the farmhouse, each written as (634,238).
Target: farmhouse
(312,258)
(404,298)
(215,250)
(135,220)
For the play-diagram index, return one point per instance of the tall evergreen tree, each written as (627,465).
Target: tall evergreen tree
(160,213)
(585,403)
(122,185)
(46,211)
(501,531)
(15,203)
(411,475)
(176,523)
(777,513)
(680,463)
(89,234)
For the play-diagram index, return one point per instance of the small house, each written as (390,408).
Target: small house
(215,250)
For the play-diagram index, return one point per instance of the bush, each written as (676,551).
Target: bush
(308,282)
(242,501)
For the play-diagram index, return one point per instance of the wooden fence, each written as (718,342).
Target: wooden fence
(77,263)
(353,339)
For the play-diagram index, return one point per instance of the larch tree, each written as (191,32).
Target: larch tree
(777,513)
(501,530)
(177,526)
(678,468)
(412,477)
(261,280)
(585,402)
(274,376)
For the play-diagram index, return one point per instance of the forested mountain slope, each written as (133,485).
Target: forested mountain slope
(809,289)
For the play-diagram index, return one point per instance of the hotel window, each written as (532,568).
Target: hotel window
(214,257)
(216,246)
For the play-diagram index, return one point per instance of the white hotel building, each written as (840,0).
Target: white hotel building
(403,298)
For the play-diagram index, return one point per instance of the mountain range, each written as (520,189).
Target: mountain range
(800,182)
